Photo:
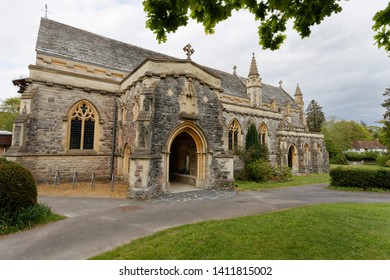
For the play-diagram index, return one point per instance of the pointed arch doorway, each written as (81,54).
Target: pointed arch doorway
(292,158)
(185,157)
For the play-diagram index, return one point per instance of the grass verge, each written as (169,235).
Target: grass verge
(320,232)
(297,180)
(27,218)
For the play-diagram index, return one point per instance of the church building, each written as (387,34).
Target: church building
(94,106)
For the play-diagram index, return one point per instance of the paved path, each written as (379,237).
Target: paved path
(97,225)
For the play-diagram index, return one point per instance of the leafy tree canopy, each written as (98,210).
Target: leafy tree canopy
(9,110)
(382,28)
(166,16)
(339,135)
(385,133)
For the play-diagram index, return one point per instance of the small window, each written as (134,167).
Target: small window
(82,127)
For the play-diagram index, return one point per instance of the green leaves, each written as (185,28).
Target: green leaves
(166,16)
(382,28)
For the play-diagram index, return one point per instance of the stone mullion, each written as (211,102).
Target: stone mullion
(82,133)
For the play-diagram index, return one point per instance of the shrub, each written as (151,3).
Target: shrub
(17,188)
(339,159)
(253,153)
(242,175)
(360,178)
(282,173)
(381,160)
(24,218)
(260,171)
(367,156)
(3,160)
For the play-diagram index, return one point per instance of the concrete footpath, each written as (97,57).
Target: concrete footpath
(95,225)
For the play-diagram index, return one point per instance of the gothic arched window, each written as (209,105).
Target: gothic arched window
(263,134)
(234,131)
(83,121)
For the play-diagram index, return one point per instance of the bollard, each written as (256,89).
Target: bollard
(74,180)
(93,180)
(56,179)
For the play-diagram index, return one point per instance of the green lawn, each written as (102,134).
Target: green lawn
(297,180)
(320,232)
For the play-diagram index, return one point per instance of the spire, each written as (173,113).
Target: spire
(299,97)
(253,69)
(298,91)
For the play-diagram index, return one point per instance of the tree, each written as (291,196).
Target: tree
(166,16)
(252,138)
(9,110)
(339,135)
(386,118)
(382,28)
(314,116)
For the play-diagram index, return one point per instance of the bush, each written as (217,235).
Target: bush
(17,188)
(360,178)
(260,171)
(282,174)
(24,218)
(382,160)
(339,159)
(3,160)
(367,156)
(253,153)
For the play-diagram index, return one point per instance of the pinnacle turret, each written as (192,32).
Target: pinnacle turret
(253,69)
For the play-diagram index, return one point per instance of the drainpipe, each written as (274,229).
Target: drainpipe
(114,139)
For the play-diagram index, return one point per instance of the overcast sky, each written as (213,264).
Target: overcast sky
(338,65)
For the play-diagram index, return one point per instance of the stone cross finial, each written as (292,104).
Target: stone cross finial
(235,69)
(46,11)
(280,83)
(189,51)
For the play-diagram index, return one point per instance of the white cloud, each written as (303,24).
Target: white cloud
(338,65)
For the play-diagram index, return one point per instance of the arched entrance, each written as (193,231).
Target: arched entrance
(183,166)
(185,156)
(292,158)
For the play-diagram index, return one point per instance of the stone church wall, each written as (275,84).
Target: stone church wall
(45,145)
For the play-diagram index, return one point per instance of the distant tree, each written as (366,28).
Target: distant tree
(315,117)
(386,118)
(9,110)
(340,134)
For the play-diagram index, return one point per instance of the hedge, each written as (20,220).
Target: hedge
(360,178)
(367,156)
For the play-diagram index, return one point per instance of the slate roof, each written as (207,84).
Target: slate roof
(370,145)
(65,41)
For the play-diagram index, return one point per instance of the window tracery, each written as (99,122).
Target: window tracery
(234,131)
(82,127)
